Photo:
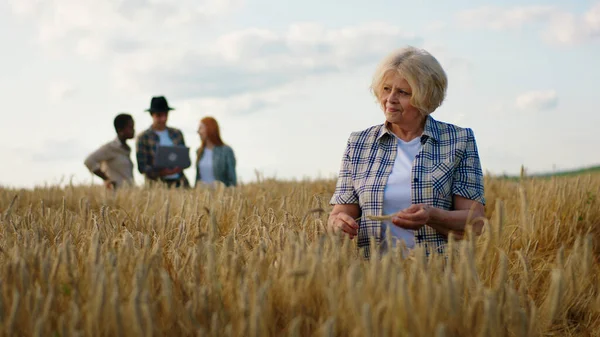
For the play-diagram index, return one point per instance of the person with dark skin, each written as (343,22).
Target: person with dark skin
(112,162)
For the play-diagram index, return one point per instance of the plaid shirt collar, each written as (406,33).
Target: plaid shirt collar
(431,130)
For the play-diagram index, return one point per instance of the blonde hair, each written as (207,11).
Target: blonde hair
(423,73)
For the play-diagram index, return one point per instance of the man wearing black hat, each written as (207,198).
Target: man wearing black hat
(159,134)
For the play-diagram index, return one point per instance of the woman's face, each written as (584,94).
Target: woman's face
(395,100)
(202,132)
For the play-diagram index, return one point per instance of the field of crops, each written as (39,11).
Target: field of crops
(255,261)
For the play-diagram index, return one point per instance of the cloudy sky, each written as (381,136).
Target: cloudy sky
(289,80)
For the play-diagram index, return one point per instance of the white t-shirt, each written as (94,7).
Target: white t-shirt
(205,165)
(165,140)
(397,193)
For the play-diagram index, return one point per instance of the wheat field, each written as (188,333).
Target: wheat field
(255,261)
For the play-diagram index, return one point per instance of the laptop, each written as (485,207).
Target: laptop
(172,156)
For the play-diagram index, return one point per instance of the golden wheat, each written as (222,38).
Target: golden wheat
(255,260)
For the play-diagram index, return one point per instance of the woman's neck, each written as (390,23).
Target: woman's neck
(408,132)
(209,145)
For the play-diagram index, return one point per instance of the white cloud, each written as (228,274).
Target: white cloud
(60,90)
(53,150)
(244,103)
(569,29)
(153,46)
(64,19)
(592,18)
(499,18)
(537,100)
(255,60)
(559,27)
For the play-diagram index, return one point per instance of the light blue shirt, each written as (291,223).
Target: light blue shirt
(205,165)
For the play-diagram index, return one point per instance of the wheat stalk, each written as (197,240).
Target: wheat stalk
(123,261)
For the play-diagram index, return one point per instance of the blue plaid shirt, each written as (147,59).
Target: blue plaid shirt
(447,165)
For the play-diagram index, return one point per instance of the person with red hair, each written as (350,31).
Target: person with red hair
(215,161)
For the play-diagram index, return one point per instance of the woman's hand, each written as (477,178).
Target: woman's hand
(342,222)
(413,217)
(341,219)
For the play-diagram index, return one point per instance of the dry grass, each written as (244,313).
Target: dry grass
(253,261)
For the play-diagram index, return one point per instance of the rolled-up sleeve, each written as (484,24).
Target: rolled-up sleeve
(468,176)
(94,160)
(344,190)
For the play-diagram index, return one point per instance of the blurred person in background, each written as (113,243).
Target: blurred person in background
(112,161)
(215,161)
(159,134)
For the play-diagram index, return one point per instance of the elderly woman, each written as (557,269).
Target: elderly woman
(423,174)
